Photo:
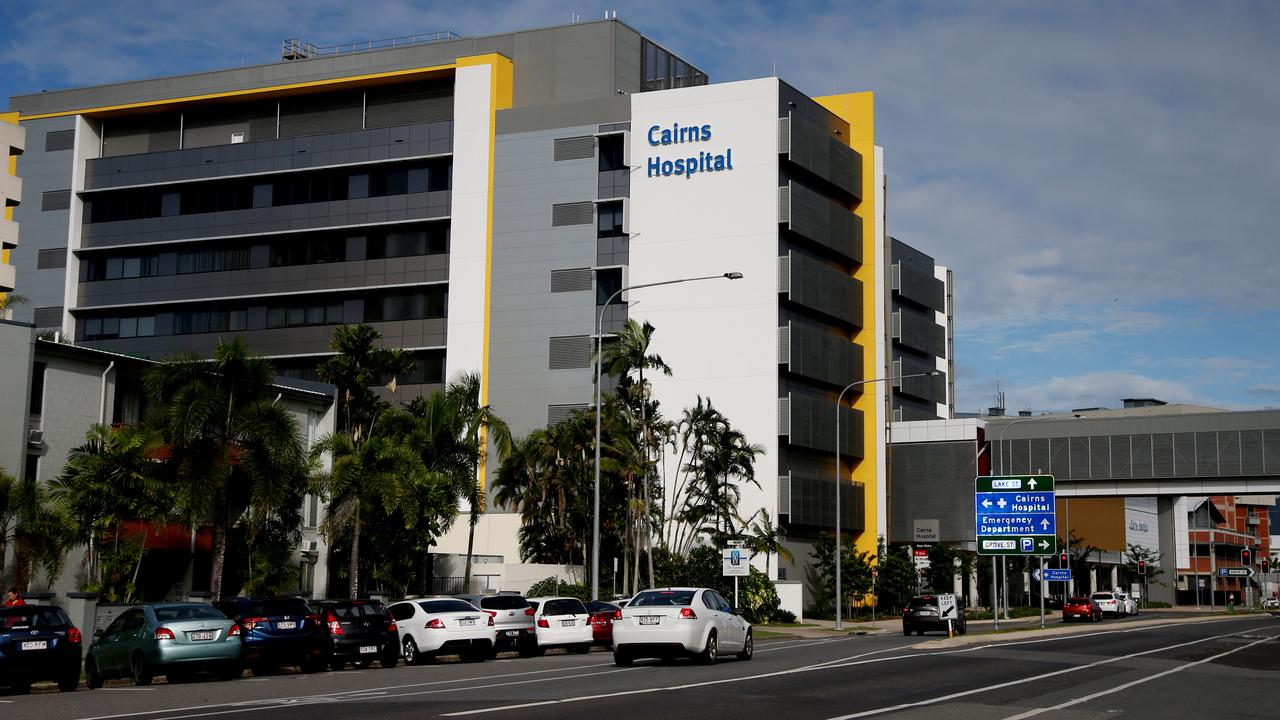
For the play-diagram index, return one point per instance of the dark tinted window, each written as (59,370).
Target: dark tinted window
(596,606)
(1103,596)
(657,598)
(402,611)
(1078,601)
(564,607)
(274,607)
(923,602)
(188,612)
(352,610)
(503,602)
(443,606)
(28,616)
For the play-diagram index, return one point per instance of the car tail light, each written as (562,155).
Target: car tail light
(164,633)
(688,614)
(233,631)
(435,624)
(391,626)
(73,635)
(335,627)
(490,621)
(542,622)
(529,611)
(492,613)
(250,623)
(617,614)
(313,618)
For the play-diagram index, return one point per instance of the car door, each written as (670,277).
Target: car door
(711,606)
(114,656)
(737,625)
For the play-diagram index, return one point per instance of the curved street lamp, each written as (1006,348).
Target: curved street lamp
(839,547)
(595,507)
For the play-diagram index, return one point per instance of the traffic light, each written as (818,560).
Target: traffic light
(1245,557)
(1266,565)
(1062,558)
(1142,567)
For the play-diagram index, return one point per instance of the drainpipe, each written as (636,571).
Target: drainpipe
(102,401)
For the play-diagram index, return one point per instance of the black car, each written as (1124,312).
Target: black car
(922,614)
(38,642)
(359,632)
(277,631)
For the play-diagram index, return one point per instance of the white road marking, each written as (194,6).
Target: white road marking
(1126,686)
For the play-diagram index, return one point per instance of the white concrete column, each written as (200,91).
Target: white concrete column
(1115,576)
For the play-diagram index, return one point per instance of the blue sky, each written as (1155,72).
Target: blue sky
(1101,176)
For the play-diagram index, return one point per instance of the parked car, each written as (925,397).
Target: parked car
(38,642)
(602,616)
(1109,603)
(1271,604)
(1128,603)
(277,631)
(671,622)
(359,632)
(512,617)
(1081,608)
(561,622)
(443,626)
(176,640)
(921,614)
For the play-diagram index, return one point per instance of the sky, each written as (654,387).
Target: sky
(1100,176)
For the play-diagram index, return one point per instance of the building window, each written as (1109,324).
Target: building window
(201,261)
(303,315)
(116,268)
(304,250)
(430,302)
(608,282)
(37,388)
(611,153)
(214,320)
(431,239)
(609,220)
(110,328)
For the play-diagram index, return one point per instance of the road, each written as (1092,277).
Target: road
(1179,668)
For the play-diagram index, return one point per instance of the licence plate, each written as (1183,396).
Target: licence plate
(35,645)
(568,623)
(467,621)
(368,649)
(512,633)
(650,619)
(287,625)
(201,635)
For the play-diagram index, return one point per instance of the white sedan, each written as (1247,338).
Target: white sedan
(680,621)
(1130,605)
(443,626)
(561,622)
(1109,603)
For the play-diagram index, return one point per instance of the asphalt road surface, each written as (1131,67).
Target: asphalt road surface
(1178,668)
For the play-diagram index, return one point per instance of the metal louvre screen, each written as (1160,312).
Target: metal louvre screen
(784,204)
(784,345)
(557,414)
(48,316)
(51,258)
(55,200)
(579,213)
(59,140)
(784,274)
(784,416)
(784,494)
(574,280)
(784,135)
(569,352)
(574,148)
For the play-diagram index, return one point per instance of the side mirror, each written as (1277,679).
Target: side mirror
(97,633)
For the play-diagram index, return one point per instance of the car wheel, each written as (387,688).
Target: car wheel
(230,671)
(337,664)
(581,649)
(362,664)
(748,648)
(919,632)
(622,658)
(70,681)
(389,659)
(906,630)
(410,653)
(92,678)
(709,654)
(262,668)
(20,684)
(527,650)
(142,674)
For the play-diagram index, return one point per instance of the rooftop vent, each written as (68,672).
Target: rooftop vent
(295,49)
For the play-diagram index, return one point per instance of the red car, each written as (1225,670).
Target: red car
(602,616)
(1081,608)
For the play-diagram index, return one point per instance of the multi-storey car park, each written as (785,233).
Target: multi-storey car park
(478,200)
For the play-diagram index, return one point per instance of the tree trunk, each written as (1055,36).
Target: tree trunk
(354,568)
(644,438)
(471,529)
(137,566)
(219,557)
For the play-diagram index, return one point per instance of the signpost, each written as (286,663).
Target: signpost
(734,563)
(1246,572)
(926,530)
(1052,575)
(1015,515)
(947,610)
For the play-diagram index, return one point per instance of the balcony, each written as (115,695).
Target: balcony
(8,234)
(10,189)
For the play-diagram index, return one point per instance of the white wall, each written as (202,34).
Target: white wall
(718,336)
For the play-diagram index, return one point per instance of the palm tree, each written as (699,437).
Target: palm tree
(628,353)
(359,366)
(37,529)
(476,425)
(229,438)
(766,538)
(109,480)
(718,459)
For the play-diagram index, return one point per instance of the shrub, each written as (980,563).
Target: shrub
(783,616)
(555,586)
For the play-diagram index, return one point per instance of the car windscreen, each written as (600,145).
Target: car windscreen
(598,606)
(1078,601)
(28,616)
(443,606)
(661,598)
(353,610)
(276,606)
(564,607)
(923,602)
(1103,596)
(504,602)
(175,613)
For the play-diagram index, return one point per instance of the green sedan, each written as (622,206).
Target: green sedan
(171,639)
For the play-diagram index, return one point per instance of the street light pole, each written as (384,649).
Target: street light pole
(595,507)
(839,545)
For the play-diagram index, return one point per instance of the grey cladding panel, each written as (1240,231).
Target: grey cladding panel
(920,288)
(55,200)
(47,317)
(927,477)
(812,502)
(571,352)
(819,152)
(919,331)
(59,140)
(825,289)
(822,221)
(577,213)
(824,356)
(51,258)
(812,421)
(575,148)
(574,280)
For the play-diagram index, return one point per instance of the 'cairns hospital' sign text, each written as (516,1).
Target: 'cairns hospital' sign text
(704,162)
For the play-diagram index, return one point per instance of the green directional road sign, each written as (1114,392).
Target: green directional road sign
(1015,515)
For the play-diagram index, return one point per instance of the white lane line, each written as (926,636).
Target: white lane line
(1126,686)
(1022,681)
(794,671)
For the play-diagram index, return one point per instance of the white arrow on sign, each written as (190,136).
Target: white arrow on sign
(986,503)
(1044,524)
(1036,574)
(1031,483)
(1044,544)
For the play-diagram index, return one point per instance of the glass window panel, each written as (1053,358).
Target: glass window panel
(333,313)
(275,317)
(238,320)
(297,316)
(132,267)
(262,194)
(93,327)
(358,186)
(128,327)
(147,326)
(114,268)
(397,181)
(315,315)
(418,178)
(110,326)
